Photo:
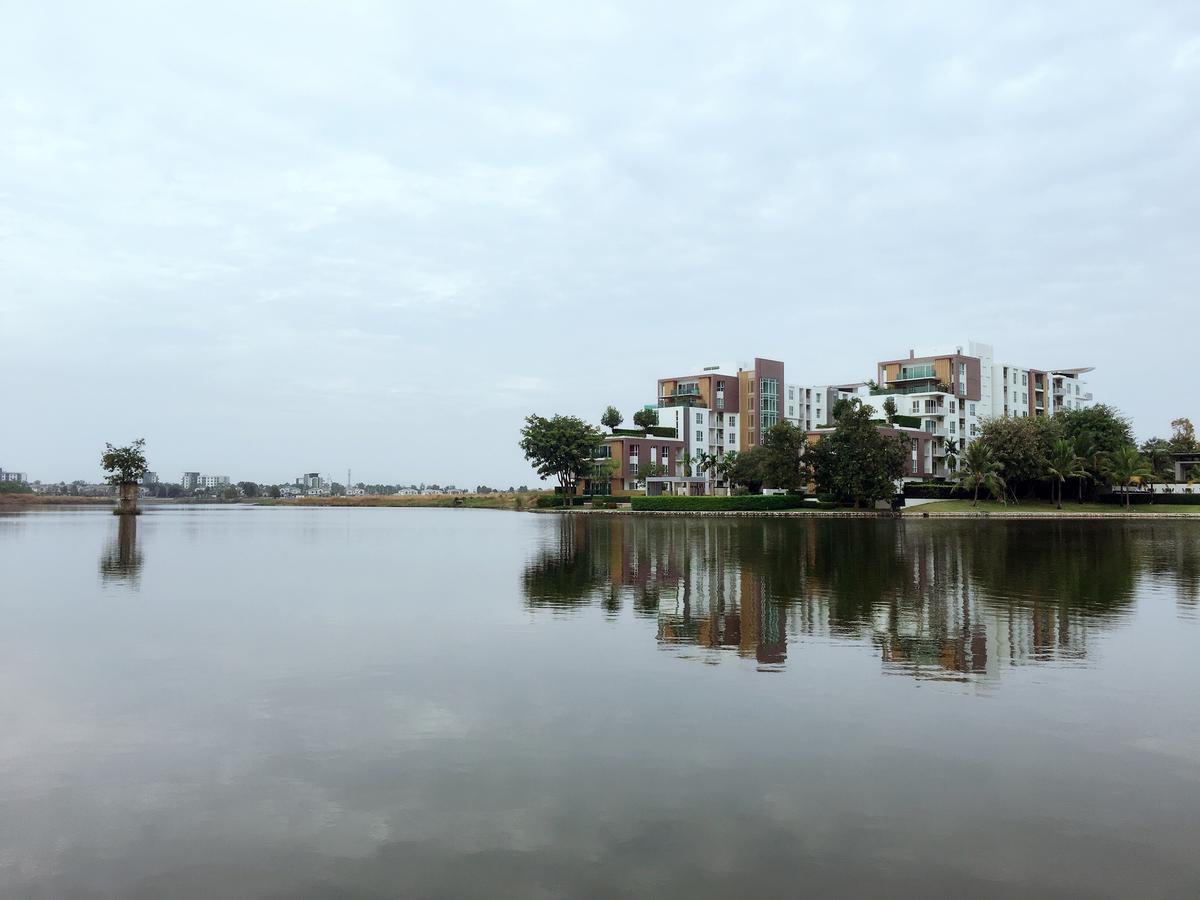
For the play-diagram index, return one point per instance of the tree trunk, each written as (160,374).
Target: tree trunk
(127,499)
(975,502)
(1126,491)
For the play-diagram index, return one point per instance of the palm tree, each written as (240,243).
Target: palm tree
(1125,467)
(980,470)
(1091,459)
(952,454)
(725,470)
(706,463)
(1063,464)
(686,459)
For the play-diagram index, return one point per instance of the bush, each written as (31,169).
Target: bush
(748,503)
(15,487)
(903,421)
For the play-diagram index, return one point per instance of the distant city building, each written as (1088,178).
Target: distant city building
(194,480)
(13,476)
(311,484)
(150,479)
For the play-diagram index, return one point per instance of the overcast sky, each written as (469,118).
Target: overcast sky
(279,238)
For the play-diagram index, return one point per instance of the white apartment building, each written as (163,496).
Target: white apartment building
(13,476)
(814,402)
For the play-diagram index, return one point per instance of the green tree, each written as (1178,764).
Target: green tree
(1063,463)
(645,419)
(783,457)
(1021,448)
(1100,425)
(856,462)
(1183,435)
(249,488)
(746,469)
(889,410)
(275,492)
(605,470)
(687,461)
(124,465)
(706,463)
(724,468)
(612,418)
(561,447)
(979,468)
(1125,467)
(952,452)
(1158,454)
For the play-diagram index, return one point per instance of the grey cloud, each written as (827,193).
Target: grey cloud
(299,233)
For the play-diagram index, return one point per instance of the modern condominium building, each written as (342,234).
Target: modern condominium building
(951,393)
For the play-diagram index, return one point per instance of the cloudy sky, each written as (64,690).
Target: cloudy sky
(272,238)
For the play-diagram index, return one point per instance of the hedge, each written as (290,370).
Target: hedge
(656,431)
(1140,499)
(747,503)
(548,501)
(933,490)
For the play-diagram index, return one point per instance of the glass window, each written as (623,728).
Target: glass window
(699,437)
(699,418)
(733,421)
(972,409)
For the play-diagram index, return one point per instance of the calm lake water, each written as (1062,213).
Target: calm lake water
(286,703)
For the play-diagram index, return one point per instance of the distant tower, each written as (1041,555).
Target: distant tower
(347,481)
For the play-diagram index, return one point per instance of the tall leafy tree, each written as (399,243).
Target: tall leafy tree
(783,457)
(855,461)
(978,468)
(1020,448)
(124,465)
(889,410)
(1125,468)
(1158,454)
(1063,463)
(1100,425)
(561,447)
(645,419)
(1183,435)
(746,468)
(612,418)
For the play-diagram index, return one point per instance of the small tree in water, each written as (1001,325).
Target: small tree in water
(126,466)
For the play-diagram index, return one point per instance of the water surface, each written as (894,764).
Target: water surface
(286,703)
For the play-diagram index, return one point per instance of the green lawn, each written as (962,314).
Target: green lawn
(1042,506)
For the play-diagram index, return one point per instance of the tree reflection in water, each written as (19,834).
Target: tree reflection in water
(944,600)
(121,560)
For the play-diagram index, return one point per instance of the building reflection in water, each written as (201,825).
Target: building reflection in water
(942,600)
(121,560)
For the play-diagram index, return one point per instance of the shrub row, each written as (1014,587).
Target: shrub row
(655,431)
(933,490)
(547,501)
(1139,499)
(748,503)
